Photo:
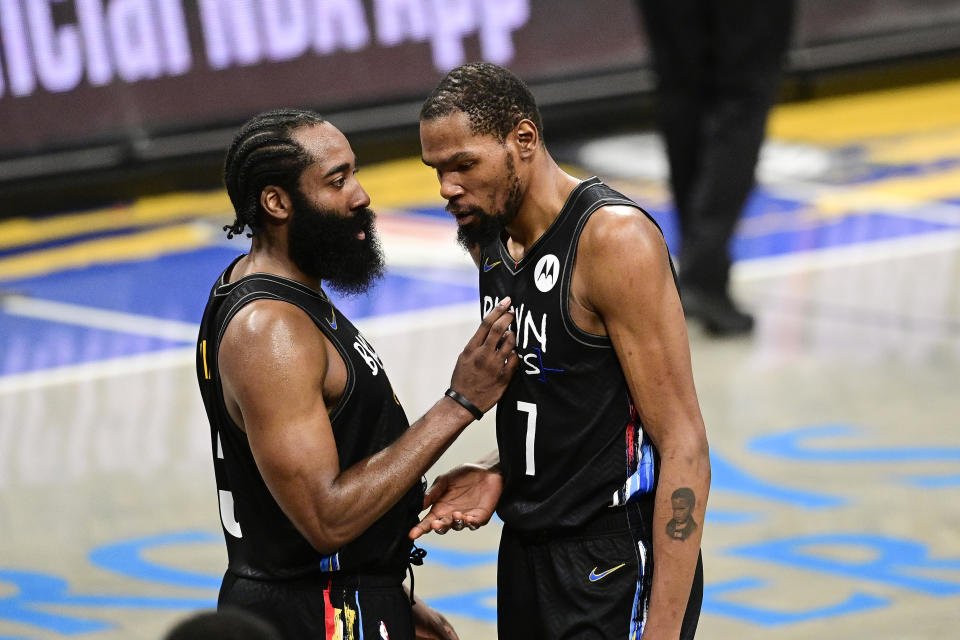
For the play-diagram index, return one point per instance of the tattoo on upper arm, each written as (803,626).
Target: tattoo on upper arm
(682,525)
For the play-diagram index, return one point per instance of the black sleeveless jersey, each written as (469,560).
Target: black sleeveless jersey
(262,542)
(570,441)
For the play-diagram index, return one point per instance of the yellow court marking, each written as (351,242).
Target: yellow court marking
(394,184)
(406,182)
(917,148)
(144,212)
(848,119)
(911,190)
(106,250)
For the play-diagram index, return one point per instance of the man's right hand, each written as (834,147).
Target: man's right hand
(489,360)
(465,496)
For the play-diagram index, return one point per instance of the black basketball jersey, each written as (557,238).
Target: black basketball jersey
(261,541)
(571,443)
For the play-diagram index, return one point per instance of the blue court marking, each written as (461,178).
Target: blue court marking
(792,445)
(713,602)
(126,558)
(934,482)
(173,287)
(728,477)
(458,559)
(28,344)
(472,604)
(889,561)
(717,516)
(831,232)
(432,212)
(835,232)
(37,591)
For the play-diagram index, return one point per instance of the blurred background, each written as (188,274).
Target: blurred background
(834,428)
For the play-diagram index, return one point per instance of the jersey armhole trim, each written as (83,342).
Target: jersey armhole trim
(341,350)
(574,331)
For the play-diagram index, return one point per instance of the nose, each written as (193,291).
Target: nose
(449,189)
(360,199)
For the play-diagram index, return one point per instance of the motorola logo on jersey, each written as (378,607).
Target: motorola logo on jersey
(547,272)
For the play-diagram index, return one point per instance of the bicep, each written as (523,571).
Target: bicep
(274,368)
(642,314)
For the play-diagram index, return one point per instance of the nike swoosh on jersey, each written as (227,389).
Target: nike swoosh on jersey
(333,319)
(487,266)
(594,576)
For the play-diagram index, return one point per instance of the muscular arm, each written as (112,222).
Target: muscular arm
(274,364)
(640,310)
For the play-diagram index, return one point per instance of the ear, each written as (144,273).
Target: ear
(528,138)
(276,202)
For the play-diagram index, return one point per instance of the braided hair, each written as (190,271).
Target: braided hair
(493,98)
(263,153)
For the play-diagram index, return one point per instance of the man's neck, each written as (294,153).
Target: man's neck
(549,188)
(269,258)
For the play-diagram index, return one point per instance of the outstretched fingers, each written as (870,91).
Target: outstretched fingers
(495,315)
(498,331)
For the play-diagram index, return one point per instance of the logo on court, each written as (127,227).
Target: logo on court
(594,576)
(547,272)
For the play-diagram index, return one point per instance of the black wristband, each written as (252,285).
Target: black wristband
(463,402)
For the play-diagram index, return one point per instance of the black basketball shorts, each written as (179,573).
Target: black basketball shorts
(325,609)
(591,583)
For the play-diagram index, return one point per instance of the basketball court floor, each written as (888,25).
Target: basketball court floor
(834,429)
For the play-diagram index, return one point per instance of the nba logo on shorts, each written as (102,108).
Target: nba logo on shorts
(383,631)
(547,272)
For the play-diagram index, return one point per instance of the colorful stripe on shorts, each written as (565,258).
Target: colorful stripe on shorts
(639,462)
(331,562)
(639,616)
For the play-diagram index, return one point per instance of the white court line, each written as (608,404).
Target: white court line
(94,318)
(72,374)
(859,197)
(432,318)
(845,256)
(395,323)
(380,326)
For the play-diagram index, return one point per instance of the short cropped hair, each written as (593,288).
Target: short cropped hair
(224,624)
(262,153)
(494,99)
(686,494)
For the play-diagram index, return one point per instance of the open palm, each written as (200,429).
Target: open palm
(467,494)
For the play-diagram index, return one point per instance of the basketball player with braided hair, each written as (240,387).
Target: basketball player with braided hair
(318,472)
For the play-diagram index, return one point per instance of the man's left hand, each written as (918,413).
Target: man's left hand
(430,624)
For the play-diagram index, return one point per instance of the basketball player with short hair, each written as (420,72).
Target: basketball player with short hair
(319,474)
(601,424)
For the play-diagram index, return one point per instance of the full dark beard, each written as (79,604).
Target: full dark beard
(487,227)
(324,244)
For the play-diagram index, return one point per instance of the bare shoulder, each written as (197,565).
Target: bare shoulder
(269,333)
(621,239)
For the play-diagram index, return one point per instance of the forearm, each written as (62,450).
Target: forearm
(676,544)
(362,493)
